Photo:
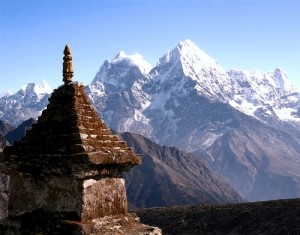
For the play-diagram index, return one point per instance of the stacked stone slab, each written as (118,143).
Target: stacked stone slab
(67,170)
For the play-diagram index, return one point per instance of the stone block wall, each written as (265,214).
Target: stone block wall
(103,197)
(65,196)
(54,195)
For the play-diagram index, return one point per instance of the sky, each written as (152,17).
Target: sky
(241,34)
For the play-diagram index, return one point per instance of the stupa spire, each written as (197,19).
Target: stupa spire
(67,66)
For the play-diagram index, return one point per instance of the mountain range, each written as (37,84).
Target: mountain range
(245,125)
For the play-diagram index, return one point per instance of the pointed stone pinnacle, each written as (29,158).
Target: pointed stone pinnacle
(67,66)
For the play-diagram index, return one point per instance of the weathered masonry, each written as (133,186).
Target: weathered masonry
(65,175)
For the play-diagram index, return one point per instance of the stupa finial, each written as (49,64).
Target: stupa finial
(67,66)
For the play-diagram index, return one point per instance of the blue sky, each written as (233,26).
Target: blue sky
(242,34)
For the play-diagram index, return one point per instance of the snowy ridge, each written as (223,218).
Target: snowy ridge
(43,88)
(269,94)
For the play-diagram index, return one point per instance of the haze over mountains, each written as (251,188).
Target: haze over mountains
(245,125)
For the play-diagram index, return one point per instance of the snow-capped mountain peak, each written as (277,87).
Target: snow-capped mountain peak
(275,82)
(5,93)
(188,66)
(43,88)
(133,60)
(188,53)
(115,72)
(39,89)
(282,82)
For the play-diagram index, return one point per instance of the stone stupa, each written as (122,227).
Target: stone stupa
(65,174)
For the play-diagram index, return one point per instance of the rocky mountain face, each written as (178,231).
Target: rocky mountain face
(117,93)
(189,101)
(168,177)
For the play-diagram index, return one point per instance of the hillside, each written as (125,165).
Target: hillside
(258,161)
(272,217)
(168,176)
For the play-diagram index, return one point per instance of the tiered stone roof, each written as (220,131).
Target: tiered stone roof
(70,137)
